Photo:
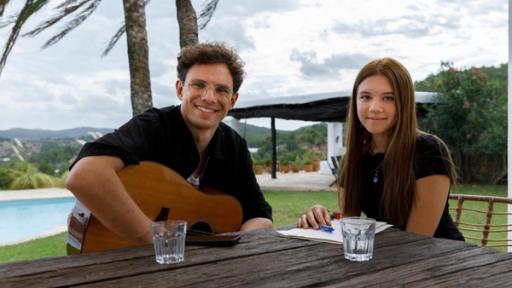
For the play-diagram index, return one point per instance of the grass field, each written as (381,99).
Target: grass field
(287,207)
(480,218)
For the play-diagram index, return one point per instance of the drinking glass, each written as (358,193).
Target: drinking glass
(358,237)
(169,241)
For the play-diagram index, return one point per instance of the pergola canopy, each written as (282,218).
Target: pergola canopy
(321,107)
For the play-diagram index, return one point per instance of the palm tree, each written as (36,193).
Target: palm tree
(26,176)
(187,21)
(135,28)
(138,55)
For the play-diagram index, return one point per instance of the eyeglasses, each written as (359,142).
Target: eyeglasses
(201,87)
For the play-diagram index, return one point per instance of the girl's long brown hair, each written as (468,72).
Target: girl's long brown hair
(399,157)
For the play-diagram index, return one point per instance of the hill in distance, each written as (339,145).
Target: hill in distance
(245,130)
(253,134)
(34,134)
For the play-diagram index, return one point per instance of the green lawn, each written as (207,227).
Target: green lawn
(287,207)
(44,247)
(480,218)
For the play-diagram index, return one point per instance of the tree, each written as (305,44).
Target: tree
(470,116)
(292,143)
(138,55)
(6,176)
(187,20)
(135,28)
(26,176)
(23,175)
(54,156)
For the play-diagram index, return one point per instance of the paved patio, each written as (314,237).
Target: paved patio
(34,194)
(302,181)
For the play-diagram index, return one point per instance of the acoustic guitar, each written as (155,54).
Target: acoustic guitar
(161,194)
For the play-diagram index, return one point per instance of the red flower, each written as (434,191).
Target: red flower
(466,104)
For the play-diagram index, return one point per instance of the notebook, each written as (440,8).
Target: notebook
(334,237)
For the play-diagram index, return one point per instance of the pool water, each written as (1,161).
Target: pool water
(22,220)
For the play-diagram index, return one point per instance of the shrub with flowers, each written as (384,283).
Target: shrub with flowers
(470,115)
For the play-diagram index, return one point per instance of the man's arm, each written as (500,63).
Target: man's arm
(256,223)
(94,181)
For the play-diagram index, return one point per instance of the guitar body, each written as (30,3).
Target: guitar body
(161,194)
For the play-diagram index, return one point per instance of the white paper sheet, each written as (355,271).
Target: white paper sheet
(334,237)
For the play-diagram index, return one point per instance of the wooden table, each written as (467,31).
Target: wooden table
(264,259)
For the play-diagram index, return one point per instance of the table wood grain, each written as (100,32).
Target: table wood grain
(266,259)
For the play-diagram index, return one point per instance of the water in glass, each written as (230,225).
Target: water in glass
(169,241)
(358,238)
(169,249)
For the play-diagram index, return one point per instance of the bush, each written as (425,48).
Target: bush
(470,115)
(6,177)
(26,176)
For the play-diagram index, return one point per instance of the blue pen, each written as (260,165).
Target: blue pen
(327,228)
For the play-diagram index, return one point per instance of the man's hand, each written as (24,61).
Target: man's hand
(94,181)
(256,223)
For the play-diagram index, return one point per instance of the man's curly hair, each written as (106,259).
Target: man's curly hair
(211,53)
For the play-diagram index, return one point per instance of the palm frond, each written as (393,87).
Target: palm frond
(117,36)
(207,13)
(33,180)
(66,4)
(3,3)
(65,8)
(37,5)
(30,8)
(114,39)
(79,19)
(10,20)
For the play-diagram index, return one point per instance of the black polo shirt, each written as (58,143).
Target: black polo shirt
(161,135)
(431,159)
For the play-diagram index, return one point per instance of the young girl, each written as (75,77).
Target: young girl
(391,171)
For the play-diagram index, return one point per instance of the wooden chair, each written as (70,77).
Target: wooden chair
(334,168)
(486,226)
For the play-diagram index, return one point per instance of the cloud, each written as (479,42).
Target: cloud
(229,30)
(413,26)
(228,23)
(244,9)
(311,67)
(291,47)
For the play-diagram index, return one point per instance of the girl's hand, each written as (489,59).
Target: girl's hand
(315,216)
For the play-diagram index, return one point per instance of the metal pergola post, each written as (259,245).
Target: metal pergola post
(274,149)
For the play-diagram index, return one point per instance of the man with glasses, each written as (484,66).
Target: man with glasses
(189,138)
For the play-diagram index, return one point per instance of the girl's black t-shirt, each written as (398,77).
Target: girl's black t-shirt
(431,159)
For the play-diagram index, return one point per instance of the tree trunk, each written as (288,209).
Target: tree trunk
(138,55)
(461,164)
(502,170)
(187,21)
(469,175)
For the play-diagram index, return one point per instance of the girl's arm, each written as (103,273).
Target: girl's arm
(428,204)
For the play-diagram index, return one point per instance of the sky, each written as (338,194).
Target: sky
(290,47)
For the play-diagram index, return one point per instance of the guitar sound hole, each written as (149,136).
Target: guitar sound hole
(163,214)
(201,227)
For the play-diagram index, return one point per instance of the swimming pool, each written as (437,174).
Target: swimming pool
(22,220)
